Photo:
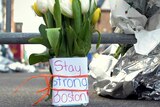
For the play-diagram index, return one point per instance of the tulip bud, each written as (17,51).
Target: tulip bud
(66,8)
(85,5)
(51,5)
(96,16)
(42,6)
(35,8)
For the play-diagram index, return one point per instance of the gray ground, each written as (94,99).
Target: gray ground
(26,96)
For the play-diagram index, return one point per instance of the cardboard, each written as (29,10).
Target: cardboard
(70,82)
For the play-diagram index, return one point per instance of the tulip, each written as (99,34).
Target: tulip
(42,6)
(35,8)
(96,16)
(85,5)
(66,8)
(93,3)
(51,5)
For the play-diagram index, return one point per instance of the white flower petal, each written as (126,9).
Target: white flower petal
(51,5)
(85,5)
(42,5)
(66,8)
(92,4)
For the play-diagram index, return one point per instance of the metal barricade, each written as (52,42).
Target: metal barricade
(22,38)
(112,38)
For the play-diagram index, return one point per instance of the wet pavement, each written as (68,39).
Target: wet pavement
(27,94)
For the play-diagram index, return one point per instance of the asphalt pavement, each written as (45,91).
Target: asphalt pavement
(26,95)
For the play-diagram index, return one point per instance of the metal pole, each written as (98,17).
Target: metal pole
(114,38)
(8,15)
(22,38)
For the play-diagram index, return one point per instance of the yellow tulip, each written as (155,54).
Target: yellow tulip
(35,8)
(96,15)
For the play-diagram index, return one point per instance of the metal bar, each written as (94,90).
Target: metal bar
(8,15)
(114,38)
(22,38)
(16,38)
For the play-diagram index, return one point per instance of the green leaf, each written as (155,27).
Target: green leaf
(36,58)
(36,40)
(53,35)
(87,36)
(77,15)
(79,48)
(82,43)
(42,30)
(57,14)
(63,50)
(49,19)
(71,36)
(85,30)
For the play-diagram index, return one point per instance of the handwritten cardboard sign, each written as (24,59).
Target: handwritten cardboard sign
(70,82)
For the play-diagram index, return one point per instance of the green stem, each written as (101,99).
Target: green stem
(46,19)
(49,19)
(118,52)
(122,49)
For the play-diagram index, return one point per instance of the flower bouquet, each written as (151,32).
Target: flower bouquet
(67,35)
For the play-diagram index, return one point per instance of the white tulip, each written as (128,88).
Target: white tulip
(85,5)
(51,5)
(93,2)
(42,6)
(66,8)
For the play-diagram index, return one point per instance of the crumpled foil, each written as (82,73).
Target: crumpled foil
(148,85)
(145,7)
(134,74)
